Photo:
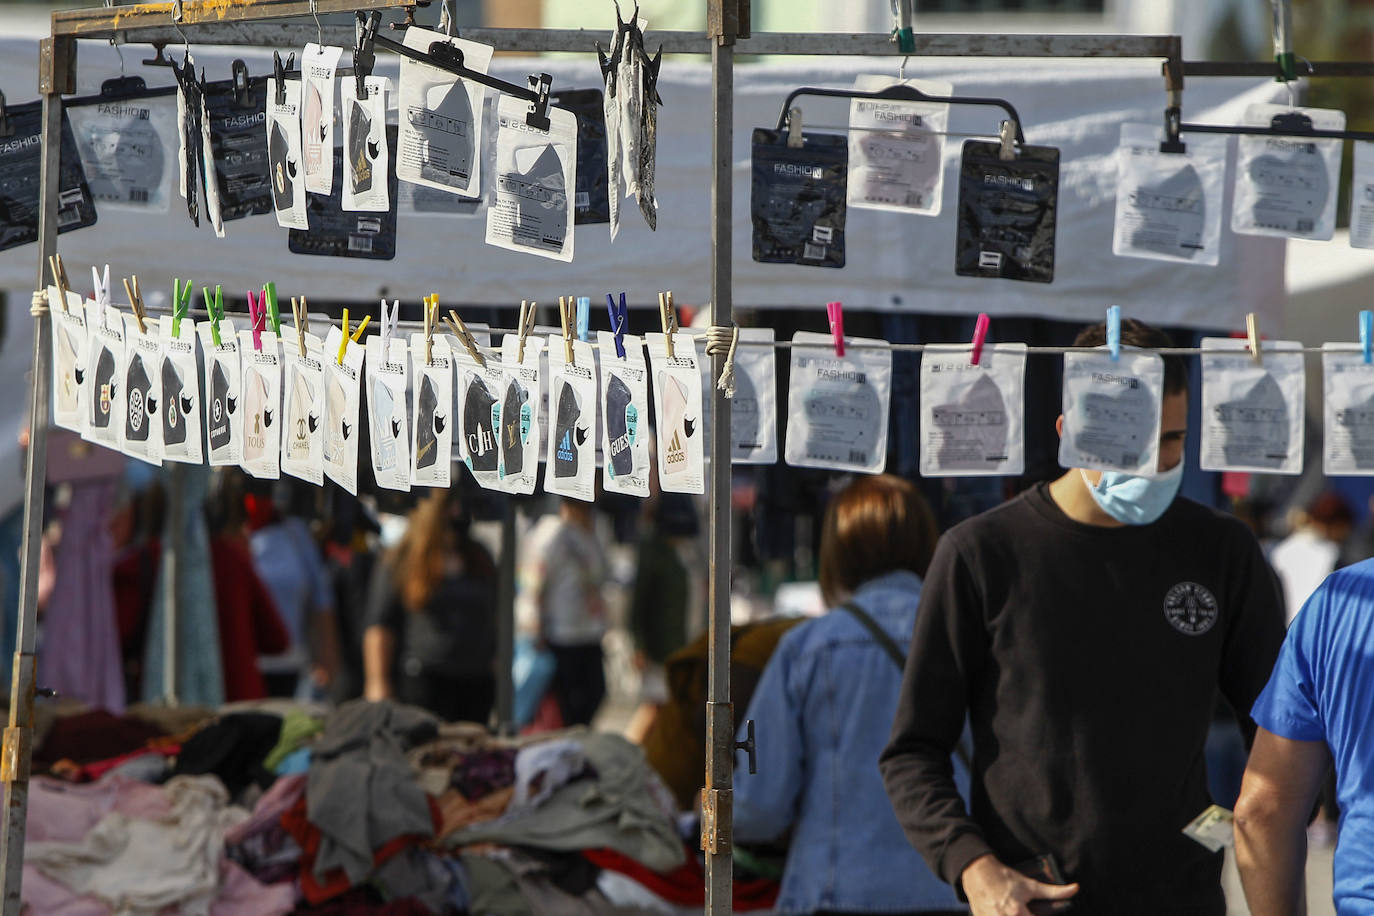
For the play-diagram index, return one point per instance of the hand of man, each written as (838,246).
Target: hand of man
(993,889)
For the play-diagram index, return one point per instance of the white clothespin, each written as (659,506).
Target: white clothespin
(391,319)
(101,293)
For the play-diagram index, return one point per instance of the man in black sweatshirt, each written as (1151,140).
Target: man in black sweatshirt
(1083,628)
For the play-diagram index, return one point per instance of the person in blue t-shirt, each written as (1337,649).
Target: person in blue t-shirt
(1318,708)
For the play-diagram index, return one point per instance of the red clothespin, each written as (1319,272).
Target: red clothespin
(835,312)
(257,316)
(980,334)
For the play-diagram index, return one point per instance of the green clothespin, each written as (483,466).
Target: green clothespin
(273,314)
(181,304)
(215,307)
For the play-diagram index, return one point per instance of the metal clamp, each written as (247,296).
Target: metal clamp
(748,746)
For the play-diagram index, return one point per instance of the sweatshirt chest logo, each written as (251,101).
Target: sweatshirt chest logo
(1190,608)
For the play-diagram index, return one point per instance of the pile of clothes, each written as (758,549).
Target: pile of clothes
(367,808)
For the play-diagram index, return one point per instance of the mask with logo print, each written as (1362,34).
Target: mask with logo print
(1135,500)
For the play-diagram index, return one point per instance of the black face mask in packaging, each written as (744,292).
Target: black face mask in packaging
(591,203)
(241,157)
(340,233)
(798,199)
(21,163)
(1007,212)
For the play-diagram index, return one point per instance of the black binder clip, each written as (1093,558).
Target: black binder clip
(243,96)
(364,50)
(6,128)
(1173,120)
(279,73)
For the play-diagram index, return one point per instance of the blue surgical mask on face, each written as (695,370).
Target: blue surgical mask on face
(1135,500)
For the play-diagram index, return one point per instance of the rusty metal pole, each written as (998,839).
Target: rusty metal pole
(57,58)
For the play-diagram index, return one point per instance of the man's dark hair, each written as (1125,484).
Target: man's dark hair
(1139,334)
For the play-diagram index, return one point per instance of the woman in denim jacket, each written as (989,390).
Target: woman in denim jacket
(823,711)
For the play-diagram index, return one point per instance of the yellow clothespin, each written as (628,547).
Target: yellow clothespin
(136,303)
(460,330)
(527,310)
(431,310)
(345,338)
(300,312)
(668,315)
(566,304)
(59,278)
(1252,334)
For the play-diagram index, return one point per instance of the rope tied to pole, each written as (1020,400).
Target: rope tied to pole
(38,306)
(721,339)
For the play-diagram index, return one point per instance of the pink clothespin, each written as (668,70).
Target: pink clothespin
(257,316)
(835,312)
(980,334)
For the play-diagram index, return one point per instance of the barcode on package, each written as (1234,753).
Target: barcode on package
(1130,458)
(138,195)
(812,252)
(1306,225)
(359,243)
(584,200)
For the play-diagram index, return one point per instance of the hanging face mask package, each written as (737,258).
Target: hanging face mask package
(521,426)
(591,203)
(105,356)
(262,420)
(532,209)
(677,408)
(70,351)
(317,118)
(1286,186)
(388,411)
(625,415)
(342,397)
(837,412)
(237,114)
(896,148)
(1362,196)
(143,398)
(180,407)
(432,416)
(1252,415)
(1112,411)
(224,393)
(367,174)
(21,163)
(302,446)
(797,198)
(337,232)
(1007,212)
(754,408)
(973,416)
(441,117)
(213,208)
(284,153)
(1168,204)
(122,136)
(480,404)
(571,469)
(1348,388)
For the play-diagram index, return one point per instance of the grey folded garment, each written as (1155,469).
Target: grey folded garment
(138,406)
(1257,426)
(477,425)
(362,150)
(980,415)
(567,436)
(542,208)
(220,409)
(514,427)
(1181,195)
(618,402)
(175,405)
(428,425)
(380,406)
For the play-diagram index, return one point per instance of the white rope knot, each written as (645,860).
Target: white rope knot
(720,339)
(38,306)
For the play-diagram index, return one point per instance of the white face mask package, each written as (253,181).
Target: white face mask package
(532,204)
(262,421)
(432,417)
(1168,205)
(625,415)
(317,119)
(571,469)
(896,149)
(223,393)
(1286,186)
(180,407)
(105,357)
(1252,416)
(342,397)
(973,417)
(123,144)
(142,391)
(1348,384)
(480,404)
(754,408)
(521,410)
(441,116)
(70,350)
(284,155)
(366,155)
(1362,197)
(681,428)
(837,411)
(213,207)
(388,412)
(302,446)
(1111,411)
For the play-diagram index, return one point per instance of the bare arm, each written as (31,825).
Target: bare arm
(1276,798)
(378,645)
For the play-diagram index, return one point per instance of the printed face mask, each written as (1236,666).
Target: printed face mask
(314,128)
(545,204)
(104,389)
(1261,413)
(175,405)
(477,425)
(1136,500)
(258,418)
(301,423)
(1180,194)
(139,406)
(981,417)
(515,427)
(381,404)
(429,427)
(622,420)
(221,407)
(567,433)
(69,373)
(362,149)
(336,401)
(283,169)
(674,459)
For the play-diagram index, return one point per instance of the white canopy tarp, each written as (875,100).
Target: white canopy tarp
(895,262)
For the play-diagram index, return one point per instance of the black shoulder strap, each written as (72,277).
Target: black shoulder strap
(887,643)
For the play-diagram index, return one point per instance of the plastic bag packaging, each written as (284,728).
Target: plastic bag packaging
(1112,411)
(70,350)
(123,142)
(896,148)
(678,412)
(837,410)
(1252,415)
(342,397)
(973,420)
(284,155)
(1362,197)
(1007,211)
(317,119)
(223,392)
(754,408)
(213,208)
(1348,386)
(571,469)
(388,411)
(625,416)
(338,233)
(21,164)
(480,405)
(1286,186)
(242,171)
(367,150)
(262,420)
(797,198)
(432,416)
(142,390)
(190,158)
(521,414)
(106,342)
(615,163)
(441,116)
(1168,205)
(532,203)
(181,406)
(302,447)
(591,203)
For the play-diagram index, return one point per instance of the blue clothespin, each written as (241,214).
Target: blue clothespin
(617,315)
(1114,331)
(215,306)
(181,304)
(1367,335)
(584,317)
